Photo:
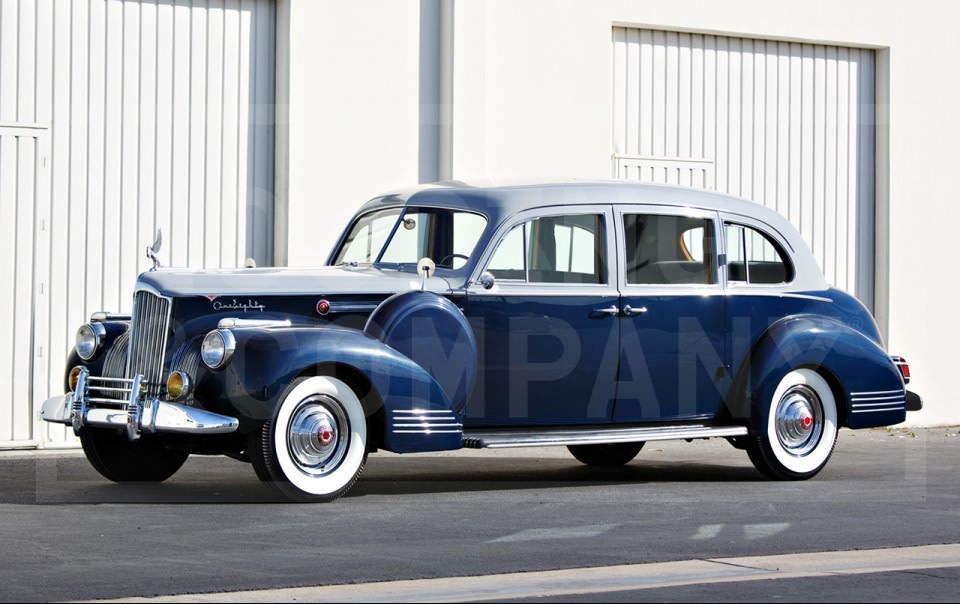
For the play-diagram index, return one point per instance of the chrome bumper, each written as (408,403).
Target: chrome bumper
(137,414)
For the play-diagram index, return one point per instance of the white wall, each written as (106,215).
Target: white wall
(532,95)
(353,113)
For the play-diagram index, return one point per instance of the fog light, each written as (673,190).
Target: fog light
(74,378)
(178,385)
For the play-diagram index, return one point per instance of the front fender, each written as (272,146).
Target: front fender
(267,359)
(96,365)
(853,364)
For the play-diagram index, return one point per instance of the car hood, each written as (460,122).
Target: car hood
(275,281)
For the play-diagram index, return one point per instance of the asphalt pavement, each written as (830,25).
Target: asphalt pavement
(68,534)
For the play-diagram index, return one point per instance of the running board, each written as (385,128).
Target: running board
(549,437)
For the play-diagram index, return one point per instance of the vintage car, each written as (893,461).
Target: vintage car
(595,315)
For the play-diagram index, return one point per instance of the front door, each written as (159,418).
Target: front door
(672,315)
(548,329)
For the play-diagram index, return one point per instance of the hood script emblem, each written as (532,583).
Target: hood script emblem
(234,304)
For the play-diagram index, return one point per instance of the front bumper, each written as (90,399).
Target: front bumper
(122,404)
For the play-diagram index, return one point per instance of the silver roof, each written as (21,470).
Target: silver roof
(499,199)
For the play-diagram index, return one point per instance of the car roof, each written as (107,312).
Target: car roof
(505,197)
(499,199)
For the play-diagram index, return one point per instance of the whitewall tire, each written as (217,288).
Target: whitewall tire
(801,428)
(314,448)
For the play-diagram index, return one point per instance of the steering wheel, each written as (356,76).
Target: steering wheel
(443,261)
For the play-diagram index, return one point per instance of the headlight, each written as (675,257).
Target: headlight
(217,348)
(89,337)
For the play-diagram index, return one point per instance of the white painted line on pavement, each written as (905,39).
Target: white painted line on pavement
(604,579)
(567,532)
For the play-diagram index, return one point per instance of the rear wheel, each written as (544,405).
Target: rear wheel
(120,460)
(315,447)
(801,428)
(609,455)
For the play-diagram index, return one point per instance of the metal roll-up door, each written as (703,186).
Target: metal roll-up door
(785,124)
(136,115)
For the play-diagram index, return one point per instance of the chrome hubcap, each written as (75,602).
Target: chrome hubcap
(318,435)
(799,420)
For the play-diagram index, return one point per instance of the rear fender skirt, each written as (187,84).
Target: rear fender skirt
(871,390)
(418,414)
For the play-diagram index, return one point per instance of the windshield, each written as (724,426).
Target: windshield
(398,236)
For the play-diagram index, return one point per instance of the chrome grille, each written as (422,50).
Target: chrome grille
(115,364)
(148,339)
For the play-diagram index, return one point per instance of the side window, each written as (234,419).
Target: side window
(509,261)
(753,257)
(553,249)
(668,250)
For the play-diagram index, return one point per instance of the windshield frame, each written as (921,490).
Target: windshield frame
(412,265)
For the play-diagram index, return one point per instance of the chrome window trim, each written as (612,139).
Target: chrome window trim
(522,217)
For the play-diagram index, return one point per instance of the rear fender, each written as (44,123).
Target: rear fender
(853,364)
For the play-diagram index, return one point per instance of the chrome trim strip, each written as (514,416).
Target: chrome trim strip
(340,308)
(103,316)
(872,392)
(898,408)
(890,397)
(428,431)
(230,323)
(902,401)
(427,425)
(421,411)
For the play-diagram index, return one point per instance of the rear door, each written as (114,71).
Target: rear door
(672,314)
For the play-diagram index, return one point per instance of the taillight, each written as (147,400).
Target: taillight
(904,368)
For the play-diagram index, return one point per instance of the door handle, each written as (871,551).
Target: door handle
(610,311)
(629,311)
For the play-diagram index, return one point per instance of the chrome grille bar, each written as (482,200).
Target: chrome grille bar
(148,339)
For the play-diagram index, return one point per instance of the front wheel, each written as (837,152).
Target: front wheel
(801,428)
(117,459)
(315,447)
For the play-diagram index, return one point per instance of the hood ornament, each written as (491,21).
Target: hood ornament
(154,249)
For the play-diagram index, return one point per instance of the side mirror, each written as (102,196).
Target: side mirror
(487,280)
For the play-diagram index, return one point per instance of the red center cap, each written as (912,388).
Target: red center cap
(806,421)
(323,307)
(325,435)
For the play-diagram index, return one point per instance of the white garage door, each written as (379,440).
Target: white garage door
(787,125)
(118,117)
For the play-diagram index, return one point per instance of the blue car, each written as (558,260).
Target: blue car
(594,315)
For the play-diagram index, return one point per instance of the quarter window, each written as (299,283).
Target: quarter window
(668,250)
(753,257)
(553,249)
